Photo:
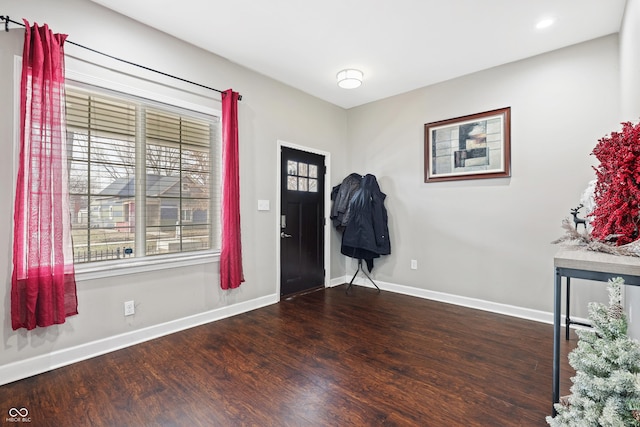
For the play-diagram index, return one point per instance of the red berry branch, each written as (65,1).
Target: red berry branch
(617,192)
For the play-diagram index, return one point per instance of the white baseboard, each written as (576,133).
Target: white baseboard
(337,281)
(494,307)
(56,359)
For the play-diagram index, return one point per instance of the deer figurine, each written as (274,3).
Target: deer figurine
(577,220)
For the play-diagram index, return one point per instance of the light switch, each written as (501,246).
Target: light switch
(263,205)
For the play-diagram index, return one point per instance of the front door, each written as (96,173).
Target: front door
(301,221)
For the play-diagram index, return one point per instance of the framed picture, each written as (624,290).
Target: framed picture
(469,147)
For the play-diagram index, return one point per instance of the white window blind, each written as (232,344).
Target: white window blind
(143,177)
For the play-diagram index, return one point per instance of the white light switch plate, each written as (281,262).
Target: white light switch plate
(263,205)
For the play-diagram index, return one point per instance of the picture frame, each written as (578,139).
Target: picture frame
(475,146)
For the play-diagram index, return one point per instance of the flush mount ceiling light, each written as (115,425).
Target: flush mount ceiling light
(544,23)
(349,78)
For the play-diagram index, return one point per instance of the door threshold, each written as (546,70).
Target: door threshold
(297,294)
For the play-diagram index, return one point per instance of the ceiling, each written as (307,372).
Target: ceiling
(400,45)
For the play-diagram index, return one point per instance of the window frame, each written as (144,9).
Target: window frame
(144,263)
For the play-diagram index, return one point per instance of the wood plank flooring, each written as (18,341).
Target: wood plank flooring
(320,359)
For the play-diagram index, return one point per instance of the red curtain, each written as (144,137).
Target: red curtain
(231,275)
(43,287)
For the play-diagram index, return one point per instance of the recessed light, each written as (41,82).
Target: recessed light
(544,23)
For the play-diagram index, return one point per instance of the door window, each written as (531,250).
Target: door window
(302,176)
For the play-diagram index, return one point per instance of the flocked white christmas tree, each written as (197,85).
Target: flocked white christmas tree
(606,387)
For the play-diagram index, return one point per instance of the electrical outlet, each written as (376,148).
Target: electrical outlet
(129,308)
(414,264)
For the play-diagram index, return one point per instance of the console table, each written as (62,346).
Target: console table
(582,264)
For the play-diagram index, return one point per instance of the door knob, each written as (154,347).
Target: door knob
(285,235)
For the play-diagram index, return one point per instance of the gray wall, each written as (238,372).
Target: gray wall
(490,239)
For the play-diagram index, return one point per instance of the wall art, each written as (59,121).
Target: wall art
(468,147)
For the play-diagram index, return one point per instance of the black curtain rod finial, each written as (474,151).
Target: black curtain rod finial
(8,20)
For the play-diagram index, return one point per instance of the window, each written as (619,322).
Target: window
(302,177)
(141,177)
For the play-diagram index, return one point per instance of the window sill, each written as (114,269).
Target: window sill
(98,270)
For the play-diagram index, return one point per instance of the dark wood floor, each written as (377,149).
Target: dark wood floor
(321,359)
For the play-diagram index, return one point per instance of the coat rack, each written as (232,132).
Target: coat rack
(365,273)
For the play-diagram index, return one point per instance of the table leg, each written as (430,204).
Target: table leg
(556,338)
(567,312)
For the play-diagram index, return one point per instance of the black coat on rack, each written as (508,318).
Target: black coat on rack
(341,196)
(366,235)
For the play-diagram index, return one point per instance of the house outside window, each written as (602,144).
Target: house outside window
(143,177)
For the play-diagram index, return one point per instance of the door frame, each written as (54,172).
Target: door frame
(327,208)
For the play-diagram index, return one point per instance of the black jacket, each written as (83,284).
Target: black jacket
(366,235)
(341,196)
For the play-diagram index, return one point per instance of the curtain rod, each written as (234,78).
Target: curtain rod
(6,20)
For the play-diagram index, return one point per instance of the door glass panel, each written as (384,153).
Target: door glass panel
(292,183)
(292,167)
(302,176)
(302,184)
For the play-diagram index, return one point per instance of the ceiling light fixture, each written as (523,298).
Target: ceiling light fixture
(544,23)
(349,78)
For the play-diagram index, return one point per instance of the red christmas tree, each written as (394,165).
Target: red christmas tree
(617,192)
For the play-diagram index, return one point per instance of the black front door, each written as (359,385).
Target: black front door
(301,221)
